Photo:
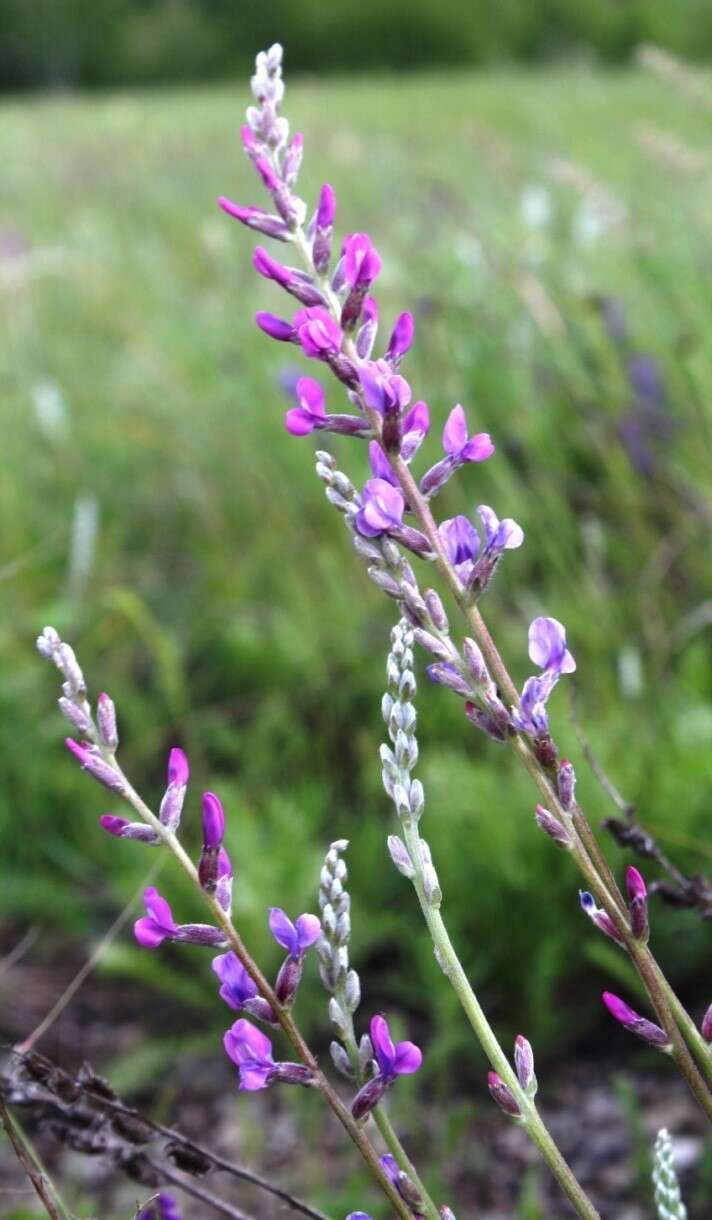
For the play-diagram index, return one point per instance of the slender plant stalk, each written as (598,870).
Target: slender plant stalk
(587,853)
(452,968)
(285,1018)
(44,1188)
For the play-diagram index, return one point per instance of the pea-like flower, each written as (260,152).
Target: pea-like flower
(547,649)
(320,336)
(251,1050)
(296,938)
(460,448)
(239,990)
(311,415)
(362,262)
(163,1207)
(474,562)
(393,1060)
(159,925)
(382,508)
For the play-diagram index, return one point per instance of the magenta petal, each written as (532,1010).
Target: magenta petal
(417,419)
(310,395)
(478,448)
(178,769)
(408,1058)
(148,933)
(309,929)
(455,431)
(159,909)
(385,498)
(299,422)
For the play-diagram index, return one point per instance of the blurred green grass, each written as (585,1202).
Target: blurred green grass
(221,605)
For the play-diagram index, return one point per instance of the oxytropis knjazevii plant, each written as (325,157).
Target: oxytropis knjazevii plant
(390,520)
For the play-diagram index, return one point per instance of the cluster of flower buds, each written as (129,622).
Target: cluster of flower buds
(668,1199)
(524,1068)
(340,980)
(392,1060)
(547,649)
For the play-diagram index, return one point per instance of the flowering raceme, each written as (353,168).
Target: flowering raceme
(389,520)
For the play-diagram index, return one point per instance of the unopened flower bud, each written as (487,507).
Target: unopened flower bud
(292,1073)
(352,991)
(706,1027)
(524,1064)
(365,1054)
(599,917)
(566,784)
(436,609)
(91,761)
(338,1018)
(631,1020)
(637,904)
(106,720)
(288,980)
(340,1059)
(475,661)
(502,1095)
(368,1097)
(431,886)
(76,715)
(552,827)
(400,856)
(432,644)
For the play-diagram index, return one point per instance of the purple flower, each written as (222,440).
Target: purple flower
(631,1020)
(295,937)
(457,443)
(310,413)
(251,1050)
(362,263)
(238,990)
(320,336)
(547,648)
(706,1026)
(326,210)
(366,336)
(383,390)
(323,224)
(236,986)
(158,925)
(382,509)
(401,1059)
(415,426)
(463,545)
(459,448)
(178,768)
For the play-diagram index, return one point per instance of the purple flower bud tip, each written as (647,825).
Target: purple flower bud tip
(213,821)
(635,884)
(327,207)
(275,327)
(502,1095)
(178,769)
(632,1021)
(80,752)
(706,1027)
(113,824)
(233,209)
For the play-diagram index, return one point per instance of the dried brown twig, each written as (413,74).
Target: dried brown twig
(86,1113)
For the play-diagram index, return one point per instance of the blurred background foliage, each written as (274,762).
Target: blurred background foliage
(107,42)
(552,235)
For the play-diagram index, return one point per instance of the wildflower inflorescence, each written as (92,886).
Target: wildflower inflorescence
(390,520)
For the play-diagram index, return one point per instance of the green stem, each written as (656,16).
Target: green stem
(700,1049)
(453,970)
